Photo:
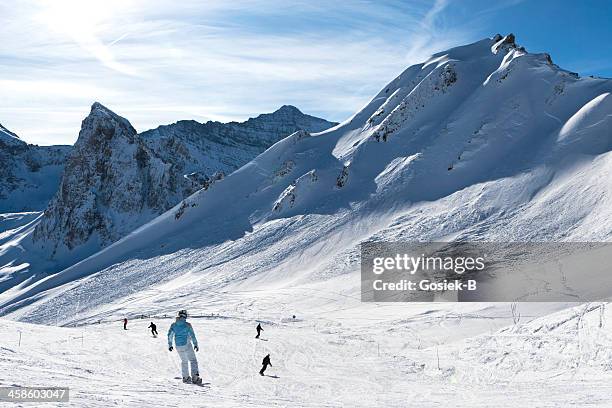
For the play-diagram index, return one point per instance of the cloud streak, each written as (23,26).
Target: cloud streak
(158,62)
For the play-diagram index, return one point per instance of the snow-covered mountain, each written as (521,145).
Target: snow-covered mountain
(29,174)
(116,180)
(481,142)
(205,151)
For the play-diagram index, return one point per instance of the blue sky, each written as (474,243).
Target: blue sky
(156,62)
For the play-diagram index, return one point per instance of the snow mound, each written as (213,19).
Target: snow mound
(562,344)
(590,127)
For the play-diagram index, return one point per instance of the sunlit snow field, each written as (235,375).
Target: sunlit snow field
(474,356)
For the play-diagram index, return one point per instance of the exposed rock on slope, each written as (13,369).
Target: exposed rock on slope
(29,174)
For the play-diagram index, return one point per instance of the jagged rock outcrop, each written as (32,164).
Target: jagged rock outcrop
(112,183)
(432,87)
(29,174)
(204,180)
(503,43)
(342,178)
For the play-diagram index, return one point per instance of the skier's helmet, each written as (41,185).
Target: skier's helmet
(182,313)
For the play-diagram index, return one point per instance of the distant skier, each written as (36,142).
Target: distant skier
(266,362)
(125,323)
(259,330)
(153,328)
(184,337)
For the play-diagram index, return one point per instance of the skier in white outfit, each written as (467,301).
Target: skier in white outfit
(184,337)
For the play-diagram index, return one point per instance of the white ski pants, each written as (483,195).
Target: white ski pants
(188,356)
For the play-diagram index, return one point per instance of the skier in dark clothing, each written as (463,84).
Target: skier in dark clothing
(259,330)
(153,328)
(125,324)
(266,362)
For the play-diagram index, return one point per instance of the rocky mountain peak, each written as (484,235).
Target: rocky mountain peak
(102,125)
(97,109)
(290,115)
(112,183)
(504,43)
(288,109)
(29,174)
(5,130)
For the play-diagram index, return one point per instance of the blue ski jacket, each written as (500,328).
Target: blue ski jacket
(182,332)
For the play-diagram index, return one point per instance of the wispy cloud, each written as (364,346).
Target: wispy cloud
(155,62)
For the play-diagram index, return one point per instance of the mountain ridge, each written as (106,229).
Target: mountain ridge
(28,172)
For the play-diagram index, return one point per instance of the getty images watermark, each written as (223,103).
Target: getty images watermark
(485,271)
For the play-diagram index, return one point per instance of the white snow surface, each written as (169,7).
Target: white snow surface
(331,360)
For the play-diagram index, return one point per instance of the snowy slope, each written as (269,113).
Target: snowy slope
(430,358)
